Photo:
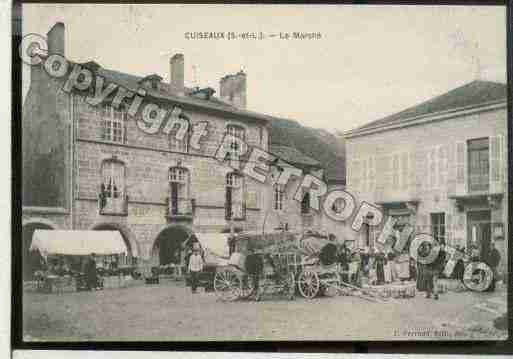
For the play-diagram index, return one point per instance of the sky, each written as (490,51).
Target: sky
(371,61)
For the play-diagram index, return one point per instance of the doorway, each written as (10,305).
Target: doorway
(479,231)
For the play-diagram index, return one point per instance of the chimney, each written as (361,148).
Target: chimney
(56,39)
(232,89)
(177,73)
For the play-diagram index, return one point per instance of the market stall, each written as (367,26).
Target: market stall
(75,244)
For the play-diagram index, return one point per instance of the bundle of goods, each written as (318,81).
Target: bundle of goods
(394,290)
(450,285)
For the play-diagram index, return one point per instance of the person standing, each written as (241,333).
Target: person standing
(380,268)
(90,272)
(195,267)
(254,266)
(493,259)
(431,271)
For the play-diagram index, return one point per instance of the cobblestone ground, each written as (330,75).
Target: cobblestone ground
(170,312)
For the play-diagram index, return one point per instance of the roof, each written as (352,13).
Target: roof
(167,93)
(77,242)
(293,156)
(475,93)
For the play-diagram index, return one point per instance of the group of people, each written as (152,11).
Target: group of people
(367,265)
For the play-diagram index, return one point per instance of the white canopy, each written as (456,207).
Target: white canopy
(77,242)
(215,247)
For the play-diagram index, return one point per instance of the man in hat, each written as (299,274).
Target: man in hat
(254,266)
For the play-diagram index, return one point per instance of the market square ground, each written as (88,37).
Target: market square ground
(169,312)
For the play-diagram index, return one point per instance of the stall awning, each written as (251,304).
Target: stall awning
(78,242)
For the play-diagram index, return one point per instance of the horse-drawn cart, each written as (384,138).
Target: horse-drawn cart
(279,261)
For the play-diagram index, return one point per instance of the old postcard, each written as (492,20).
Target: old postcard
(263,173)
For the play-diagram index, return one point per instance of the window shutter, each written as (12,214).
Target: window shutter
(496,164)
(441,165)
(461,167)
(448,229)
(124,131)
(395,172)
(228,203)
(364,175)
(404,171)
(372,173)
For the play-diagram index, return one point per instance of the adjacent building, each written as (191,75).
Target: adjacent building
(440,166)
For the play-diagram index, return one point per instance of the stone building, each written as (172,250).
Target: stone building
(88,167)
(440,166)
(93,168)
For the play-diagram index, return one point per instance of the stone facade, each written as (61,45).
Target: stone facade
(77,150)
(418,169)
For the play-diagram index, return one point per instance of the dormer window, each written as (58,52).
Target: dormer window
(151,81)
(204,93)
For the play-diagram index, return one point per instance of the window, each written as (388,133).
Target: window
(478,164)
(234,204)
(112,195)
(113,185)
(177,144)
(279,194)
(305,203)
(438,227)
(179,201)
(113,124)
(237,132)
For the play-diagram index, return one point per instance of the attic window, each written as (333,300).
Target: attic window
(151,81)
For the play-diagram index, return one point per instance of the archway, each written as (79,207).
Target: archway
(122,260)
(168,244)
(31,260)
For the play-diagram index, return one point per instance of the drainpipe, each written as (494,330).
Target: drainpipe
(72,160)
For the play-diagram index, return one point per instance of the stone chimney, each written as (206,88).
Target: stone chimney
(176,64)
(55,39)
(232,89)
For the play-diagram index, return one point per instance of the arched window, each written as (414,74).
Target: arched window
(112,188)
(235,204)
(180,202)
(237,132)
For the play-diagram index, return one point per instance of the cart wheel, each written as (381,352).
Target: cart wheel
(227,285)
(308,284)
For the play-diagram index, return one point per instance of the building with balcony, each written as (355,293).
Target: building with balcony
(440,166)
(92,167)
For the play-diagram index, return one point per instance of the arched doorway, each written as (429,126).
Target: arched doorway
(168,244)
(31,260)
(122,260)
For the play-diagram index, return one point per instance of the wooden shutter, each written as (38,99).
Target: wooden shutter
(496,164)
(174,198)
(228,203)
(395,172)
(404,171)
(441,165)
(448,229)
(461,168)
